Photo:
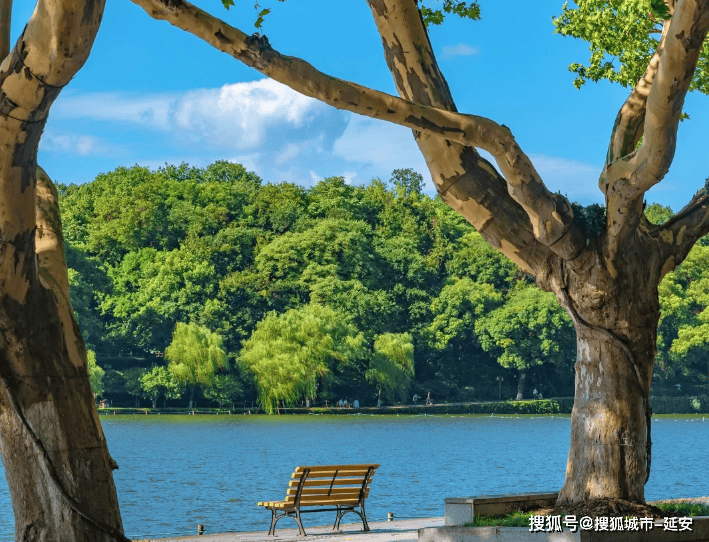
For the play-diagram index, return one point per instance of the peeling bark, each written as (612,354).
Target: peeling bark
(54,451)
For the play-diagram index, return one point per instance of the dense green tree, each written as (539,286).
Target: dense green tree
(134,384)
(225,389)
(528,330)
(391,368)
(297,354)
(195,355)
(683,333)
(160,382)
(96,374)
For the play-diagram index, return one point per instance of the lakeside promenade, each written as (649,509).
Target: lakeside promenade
(405,530)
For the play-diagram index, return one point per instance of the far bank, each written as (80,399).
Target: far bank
(560,405)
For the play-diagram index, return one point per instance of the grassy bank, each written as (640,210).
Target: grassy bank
(562,405)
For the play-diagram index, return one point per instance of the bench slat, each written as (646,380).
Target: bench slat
(326,482)
(313,468)
(326,490)
(331,473)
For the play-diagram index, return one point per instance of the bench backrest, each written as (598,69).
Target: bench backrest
(330,484)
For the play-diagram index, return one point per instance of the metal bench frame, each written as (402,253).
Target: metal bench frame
(294,511)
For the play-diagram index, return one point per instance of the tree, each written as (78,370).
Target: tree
(606,281)
(95,374)
(392,365)
(134,383)
(159,381)
(294,355)
(451,331)
(225,389)
(195,354)
(528,330)
(50,427)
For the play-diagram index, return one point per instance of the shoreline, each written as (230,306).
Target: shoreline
(553,406)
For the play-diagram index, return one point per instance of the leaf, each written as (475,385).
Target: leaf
(660,9)
(228,3)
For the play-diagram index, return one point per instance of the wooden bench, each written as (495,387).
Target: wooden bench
(344,487)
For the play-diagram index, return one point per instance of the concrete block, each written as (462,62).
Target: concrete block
(461,510)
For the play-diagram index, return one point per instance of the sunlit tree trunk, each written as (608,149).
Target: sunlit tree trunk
(56,460)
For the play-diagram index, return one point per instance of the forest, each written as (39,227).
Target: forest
(288,294)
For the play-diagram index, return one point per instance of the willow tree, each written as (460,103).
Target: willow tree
(607,282)
(54,451)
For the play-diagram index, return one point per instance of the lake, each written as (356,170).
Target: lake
(179,471)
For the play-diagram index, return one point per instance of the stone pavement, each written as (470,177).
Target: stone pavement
(384,531)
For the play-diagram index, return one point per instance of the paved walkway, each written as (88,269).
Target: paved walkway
(385,531)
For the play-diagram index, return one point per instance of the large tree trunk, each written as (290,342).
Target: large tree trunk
(616,327)
(54,452)
(53,449)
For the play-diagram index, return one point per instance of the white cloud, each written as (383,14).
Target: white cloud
(147,110)
(380,147)
(76,144)
(259,115)
(462,49)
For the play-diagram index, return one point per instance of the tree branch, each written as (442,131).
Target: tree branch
(5,25)
(550,214)
(631,174)
(463,179)
(682,231)
(628,126)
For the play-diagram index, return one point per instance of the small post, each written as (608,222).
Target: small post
(390,516)
(200,529)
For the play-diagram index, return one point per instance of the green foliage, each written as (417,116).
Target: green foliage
(225,389)
(295,354)
(406,182)
(195,355)
(460,304)
(217,247)
(683,331)
(591,220)
(160,382)
(96,374)
(133,382)
(658,214)
(392,366)
(686,509)
(530,329)
(621,35)
(465,10)
(514,519)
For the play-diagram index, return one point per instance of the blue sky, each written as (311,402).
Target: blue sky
(151,94)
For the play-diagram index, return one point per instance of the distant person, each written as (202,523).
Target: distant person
(307,402)
(535,393)
(428,399)
(356,403)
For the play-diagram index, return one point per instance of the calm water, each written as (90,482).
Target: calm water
(179,471)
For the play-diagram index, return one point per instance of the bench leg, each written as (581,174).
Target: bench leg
(272,530)
(340,513)
(300,523)
(363,515)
